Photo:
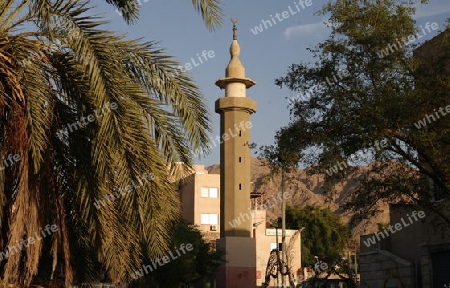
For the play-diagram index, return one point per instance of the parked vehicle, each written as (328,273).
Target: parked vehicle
(326,283)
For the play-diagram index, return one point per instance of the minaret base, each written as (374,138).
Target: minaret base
(239,271)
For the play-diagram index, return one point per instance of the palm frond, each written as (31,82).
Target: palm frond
(57,90)
(211,12)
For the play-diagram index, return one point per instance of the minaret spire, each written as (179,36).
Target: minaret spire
(235,71)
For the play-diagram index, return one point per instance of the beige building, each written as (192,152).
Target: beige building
(200,200)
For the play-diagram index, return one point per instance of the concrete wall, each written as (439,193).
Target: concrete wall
(401,243)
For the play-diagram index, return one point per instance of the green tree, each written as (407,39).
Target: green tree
(360,101)
(196,265)
(87,115)
(324,236)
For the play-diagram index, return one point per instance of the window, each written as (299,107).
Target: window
(212,219)
(376,246)
(209,192)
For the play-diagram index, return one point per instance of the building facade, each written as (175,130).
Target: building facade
(413,253)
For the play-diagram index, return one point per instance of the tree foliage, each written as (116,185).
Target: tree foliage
(324,235)
(197,265)
(363,104)
(61,75)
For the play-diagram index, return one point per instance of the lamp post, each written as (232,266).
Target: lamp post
(301,236)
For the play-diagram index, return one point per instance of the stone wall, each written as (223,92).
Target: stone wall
(382,269)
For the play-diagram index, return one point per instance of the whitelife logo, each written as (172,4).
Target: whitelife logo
(146,269)
(24,243)
(398,226)
(90,118)
(423,122)
(10,161)
(229,134)
(284,15)
(267,204)
(110,198)
(205,55)
(341,74)
(358,156)
(391,48)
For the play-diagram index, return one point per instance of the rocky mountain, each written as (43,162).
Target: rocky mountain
(306,189)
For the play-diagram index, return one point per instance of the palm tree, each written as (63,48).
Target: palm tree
(87,116)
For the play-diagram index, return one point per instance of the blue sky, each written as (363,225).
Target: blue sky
(266,56)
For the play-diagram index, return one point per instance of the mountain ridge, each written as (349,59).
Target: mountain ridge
(306,189)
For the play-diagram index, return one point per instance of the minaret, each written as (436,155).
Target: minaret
(235,110)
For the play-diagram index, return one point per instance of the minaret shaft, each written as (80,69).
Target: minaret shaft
(235,128)
(236,223)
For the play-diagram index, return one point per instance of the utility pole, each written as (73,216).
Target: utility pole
(282,158)
(275,224)
(356,266)
(301,247)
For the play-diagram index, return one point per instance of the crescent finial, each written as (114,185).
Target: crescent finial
(234,21)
